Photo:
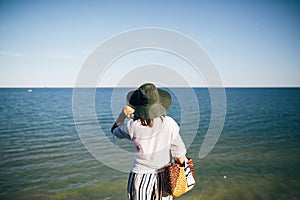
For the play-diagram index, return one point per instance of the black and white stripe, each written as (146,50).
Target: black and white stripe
(188,174)
(146,187)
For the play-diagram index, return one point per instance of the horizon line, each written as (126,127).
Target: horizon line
(99,87)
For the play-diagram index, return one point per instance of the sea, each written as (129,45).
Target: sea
(43,156)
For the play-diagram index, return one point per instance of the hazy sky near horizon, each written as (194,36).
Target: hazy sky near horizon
(252,43)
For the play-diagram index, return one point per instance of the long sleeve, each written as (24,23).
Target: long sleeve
(177,145)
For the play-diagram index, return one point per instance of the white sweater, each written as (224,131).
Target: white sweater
(155,145)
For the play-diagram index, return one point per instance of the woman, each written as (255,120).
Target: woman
(156,138)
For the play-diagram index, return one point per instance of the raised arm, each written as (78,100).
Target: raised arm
(127,112)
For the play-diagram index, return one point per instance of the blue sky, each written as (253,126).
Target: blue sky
(252,43)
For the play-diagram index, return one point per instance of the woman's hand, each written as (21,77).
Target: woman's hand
(128,111)
(180,160)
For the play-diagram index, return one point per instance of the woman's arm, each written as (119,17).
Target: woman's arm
(127,112)
(119,121)
(178,149)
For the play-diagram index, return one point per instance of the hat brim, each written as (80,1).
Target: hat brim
(157,109)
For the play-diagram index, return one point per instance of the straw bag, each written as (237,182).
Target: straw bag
(179,178)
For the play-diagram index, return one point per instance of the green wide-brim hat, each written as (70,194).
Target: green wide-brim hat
(148,101)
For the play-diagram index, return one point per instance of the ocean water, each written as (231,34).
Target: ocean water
(256,157)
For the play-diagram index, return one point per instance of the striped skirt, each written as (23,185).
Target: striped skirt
(146,186)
